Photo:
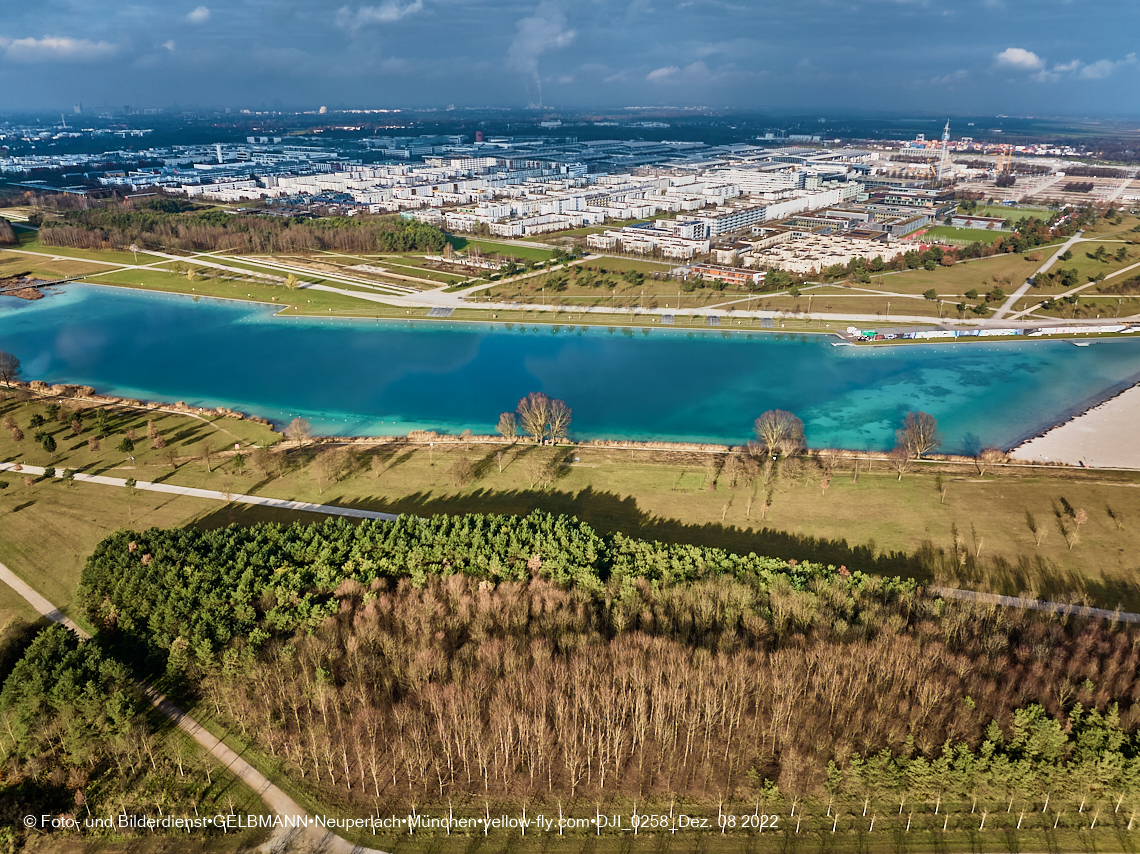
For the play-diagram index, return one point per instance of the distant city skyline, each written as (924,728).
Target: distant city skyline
(975,56)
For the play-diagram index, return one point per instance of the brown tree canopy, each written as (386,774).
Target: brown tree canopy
(919,434)
(538,414)
(779,432)
(507,427)
(559,419)
(534,413)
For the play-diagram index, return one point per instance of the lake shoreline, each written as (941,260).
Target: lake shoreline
(1101,435)
(614,320)
(62,392)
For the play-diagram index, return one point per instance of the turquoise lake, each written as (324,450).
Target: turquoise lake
(352,377)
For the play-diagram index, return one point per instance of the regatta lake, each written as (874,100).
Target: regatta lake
(388,377)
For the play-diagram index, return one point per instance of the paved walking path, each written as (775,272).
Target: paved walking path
(1033,604)
(194,492)
(1025,311)
(1020,292)
(305,836)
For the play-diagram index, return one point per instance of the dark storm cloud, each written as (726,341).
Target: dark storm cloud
(973,55)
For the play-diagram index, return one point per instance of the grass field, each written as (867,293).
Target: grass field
(982,274)
(489,247)
(13,609)
(12,263)
(965,235)
(659,495)
(1107,228)
(1012,212)
(620,265)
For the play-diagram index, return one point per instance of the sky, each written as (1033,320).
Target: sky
(1048,57)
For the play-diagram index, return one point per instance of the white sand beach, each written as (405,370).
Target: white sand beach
(1106,436)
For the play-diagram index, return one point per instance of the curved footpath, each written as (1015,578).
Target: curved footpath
(305,836)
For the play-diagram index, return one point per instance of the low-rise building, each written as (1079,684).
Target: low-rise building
(730,275)
(990,223)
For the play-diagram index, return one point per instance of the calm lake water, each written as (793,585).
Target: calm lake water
(389,377)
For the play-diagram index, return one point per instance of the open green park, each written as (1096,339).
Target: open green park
(1040,531)
(864,514)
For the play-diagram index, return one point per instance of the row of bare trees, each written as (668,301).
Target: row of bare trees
(462,687)
(537,416)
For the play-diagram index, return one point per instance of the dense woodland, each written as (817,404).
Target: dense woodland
(529,657)
(169,224)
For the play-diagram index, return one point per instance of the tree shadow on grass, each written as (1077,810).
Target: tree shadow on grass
(608,513)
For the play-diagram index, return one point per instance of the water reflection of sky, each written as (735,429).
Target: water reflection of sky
(692,385)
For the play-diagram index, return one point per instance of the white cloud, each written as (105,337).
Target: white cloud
(385,13)
(1019,58)
(169,45)
(199,16)
(1098,70)
(1104,67)
(54,48)
(662,73)
(950,79)
(545,29)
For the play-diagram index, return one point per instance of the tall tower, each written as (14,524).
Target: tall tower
(945,159)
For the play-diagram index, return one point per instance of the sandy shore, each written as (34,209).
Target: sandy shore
(1105,436)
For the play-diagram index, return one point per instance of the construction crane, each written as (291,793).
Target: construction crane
(1005,159)
(1004,167)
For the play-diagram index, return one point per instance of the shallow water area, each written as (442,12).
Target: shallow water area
(369,377)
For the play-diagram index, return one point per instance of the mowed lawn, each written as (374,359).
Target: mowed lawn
(490,248)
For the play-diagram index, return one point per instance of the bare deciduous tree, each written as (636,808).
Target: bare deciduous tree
(899,459)
(559,420)
(9,368)
(987,458)
(534,414)
(298,431)
(779,432)
(539,469)
(507,427)
(462,471)
(324,470)
(919,434)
